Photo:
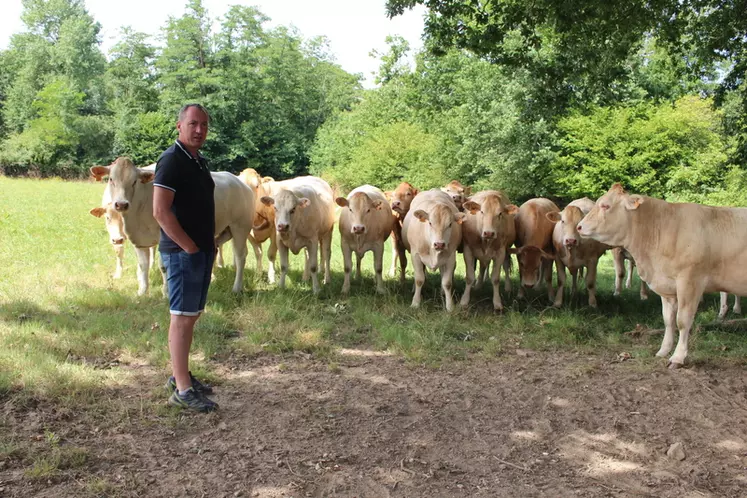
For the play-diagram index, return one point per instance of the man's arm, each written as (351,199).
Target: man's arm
(162,200)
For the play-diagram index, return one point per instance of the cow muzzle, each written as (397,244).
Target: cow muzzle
(439,246)
(121,205)
(283,227)
(570,242)
(359,229)
(488,234)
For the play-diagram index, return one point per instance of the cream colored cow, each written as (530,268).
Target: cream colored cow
(264,219)
(400,200)
(366,221)
(573,251)
(534,248)
(682,251)
(431,232)
(488,232)
(304,217)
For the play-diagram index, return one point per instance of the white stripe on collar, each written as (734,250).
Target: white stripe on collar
(187,152)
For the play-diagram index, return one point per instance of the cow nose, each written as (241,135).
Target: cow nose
(359,229)
(117,242)
(570,242)
(121,205)
(439,246)
(396,204)
(282,227)
(488,234)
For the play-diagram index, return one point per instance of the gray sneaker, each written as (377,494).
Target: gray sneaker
(193,400)
(199,386)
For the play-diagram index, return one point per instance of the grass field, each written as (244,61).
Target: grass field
(70,334)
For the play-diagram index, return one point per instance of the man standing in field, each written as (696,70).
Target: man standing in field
(184,206)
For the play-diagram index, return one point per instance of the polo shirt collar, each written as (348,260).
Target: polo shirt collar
(199,156)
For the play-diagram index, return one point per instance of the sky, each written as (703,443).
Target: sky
(354,27)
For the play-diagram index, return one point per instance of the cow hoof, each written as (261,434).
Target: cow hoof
(674,365)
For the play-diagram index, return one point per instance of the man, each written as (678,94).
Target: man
(184,206)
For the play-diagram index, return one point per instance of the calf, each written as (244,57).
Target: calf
(365,223)
(304,218)
(431,232)
(488,232)
(535,251)
(682,251)
(400,200)
(573,251)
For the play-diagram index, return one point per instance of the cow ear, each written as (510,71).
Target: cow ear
(471,206)
(98,212)
(303,203)
(511,209)
(341,201)
(378,204)
(553,216)
(146,176)
(388,195)
(266,179)
(267,200)
(415,192)
(459,217)
(617,188)
(421,215)
(99,172)
(633,201)
(467,191)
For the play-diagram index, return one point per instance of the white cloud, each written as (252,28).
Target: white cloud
(353,27)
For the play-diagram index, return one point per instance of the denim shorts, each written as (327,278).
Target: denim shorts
(188,276)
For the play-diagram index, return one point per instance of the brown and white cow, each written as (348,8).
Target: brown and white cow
(366,221)
(682,251)
(534,249)
(131,191)
(400,200)
(431,232)
(488,232)
(619,256)
(573,251)
(304,217)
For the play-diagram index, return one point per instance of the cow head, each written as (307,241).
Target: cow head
(457,192)
(608,220)
(530,264)
(123,179)
(360,207)
(492,215)
(251,178)
(114,223)
(287,206)
(568,219)
(440,222)
(402,197)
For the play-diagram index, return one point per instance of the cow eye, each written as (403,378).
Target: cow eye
(562,221)
(293,210)
(369,210)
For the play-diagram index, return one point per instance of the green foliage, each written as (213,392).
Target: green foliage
(143,137)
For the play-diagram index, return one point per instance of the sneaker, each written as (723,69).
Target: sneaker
(199,386)
(193,400)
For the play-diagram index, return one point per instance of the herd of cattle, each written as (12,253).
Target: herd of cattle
(682,250)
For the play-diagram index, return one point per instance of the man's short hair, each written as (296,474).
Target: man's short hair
(184,108)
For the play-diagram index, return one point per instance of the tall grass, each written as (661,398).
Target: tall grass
(65,324)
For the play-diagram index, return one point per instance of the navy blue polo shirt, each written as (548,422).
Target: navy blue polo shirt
(194,202)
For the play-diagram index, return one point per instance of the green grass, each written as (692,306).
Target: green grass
(64,323)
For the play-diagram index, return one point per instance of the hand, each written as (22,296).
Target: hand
(192,250)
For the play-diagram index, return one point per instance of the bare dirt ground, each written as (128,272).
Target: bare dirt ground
(525,424)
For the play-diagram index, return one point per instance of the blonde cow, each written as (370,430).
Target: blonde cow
(458,193)
(131,191)
(400,200)
(573,251)
(431,232)
(365,223)
(264,218)
(304,217)
(534,248)
(488,232)
(682,251)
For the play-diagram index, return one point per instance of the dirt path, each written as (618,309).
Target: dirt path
(530,424)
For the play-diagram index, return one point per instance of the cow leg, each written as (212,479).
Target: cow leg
(283,251)
(575,275)
(507,269)
(591,282)
(737,305)
(495,278)
(164,277)
(644,290)
(143,262)
(447,280)
(724,307)
(358,259)
(152,260)
(469,274)
(395,254)
(119,256)
(547,269)
(419,269)
(688,296)
(669,312)
(347,258)
(378,255)
(629,280)
(240,236)
(580,274)
(402,255)
(313,250)
(257,253)
(271,254)
(306,269)
(327,257)
(617,260)
(561,283)
(219,256)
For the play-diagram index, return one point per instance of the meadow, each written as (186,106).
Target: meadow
(73,340)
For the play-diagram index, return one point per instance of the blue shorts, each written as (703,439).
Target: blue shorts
(188,276)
